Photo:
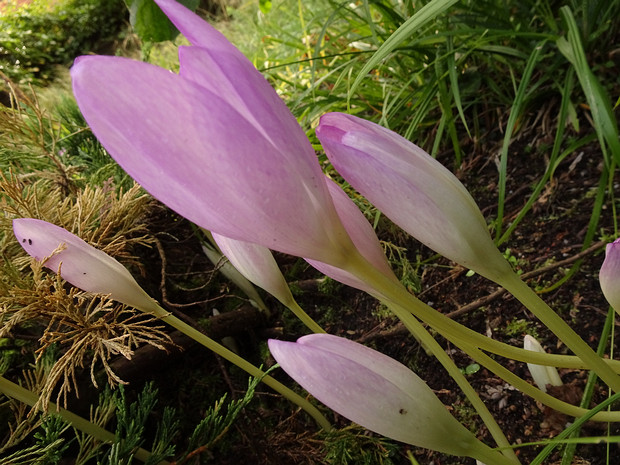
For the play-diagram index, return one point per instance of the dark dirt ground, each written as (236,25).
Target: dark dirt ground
(271,431)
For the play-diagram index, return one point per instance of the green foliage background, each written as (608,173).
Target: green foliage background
(39,36)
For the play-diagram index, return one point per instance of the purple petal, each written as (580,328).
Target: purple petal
(412,189)
(373,391)
(216,64)
(609,276)
(194,28)
(363,236)
(196,153)
(257,264)
(80,264)
(245,89)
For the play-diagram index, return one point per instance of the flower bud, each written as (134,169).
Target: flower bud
(79,263)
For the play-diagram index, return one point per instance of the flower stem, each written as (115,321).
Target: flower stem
(467,339)
(21,394)
(514,380)
(239,361)
(390,291)
(513,284)
(299,312)
(488,456)
(535,393)
(416,328)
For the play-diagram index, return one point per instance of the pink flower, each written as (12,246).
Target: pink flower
(374,391)
(215,143)
(412,189)
(609,275)
(364,239)
(80,263)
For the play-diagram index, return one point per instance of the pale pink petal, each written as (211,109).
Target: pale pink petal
(373,391)
(364,238)
(81,264)
(194,28)
(541,374)
(609,275)
(257,264)
(193,151)
(412,189)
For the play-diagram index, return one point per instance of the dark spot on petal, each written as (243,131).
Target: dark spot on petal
(84,272)
(23,240)
(29,241)
(402,411)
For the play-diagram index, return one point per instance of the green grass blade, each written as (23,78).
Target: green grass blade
(515,112)
(574,427)
(454,82)
(445,98)
(569,451)
(598,100)
(554,159)
(424,15)
(599,201)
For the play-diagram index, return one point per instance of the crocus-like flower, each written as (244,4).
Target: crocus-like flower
(542,375)
(256,263)
(374,391)
(81,264)
(412,189)
(609,276)
(215,143)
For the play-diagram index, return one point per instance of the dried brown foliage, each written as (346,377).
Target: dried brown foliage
(85,330)
(82,331)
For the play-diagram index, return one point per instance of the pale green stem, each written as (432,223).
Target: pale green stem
(489,456)
(456,333)
(535,393)
(21,394)
(514,380)
(453,330)
(513,284)
(417,329)
(239,361)
(518,382)
(312,325)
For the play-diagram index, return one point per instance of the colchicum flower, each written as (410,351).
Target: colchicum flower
(257,264)
(609,275)
(376,392)
(413,189)
(215,142)
(80,263)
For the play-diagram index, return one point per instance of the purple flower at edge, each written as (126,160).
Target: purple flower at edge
(609,275)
